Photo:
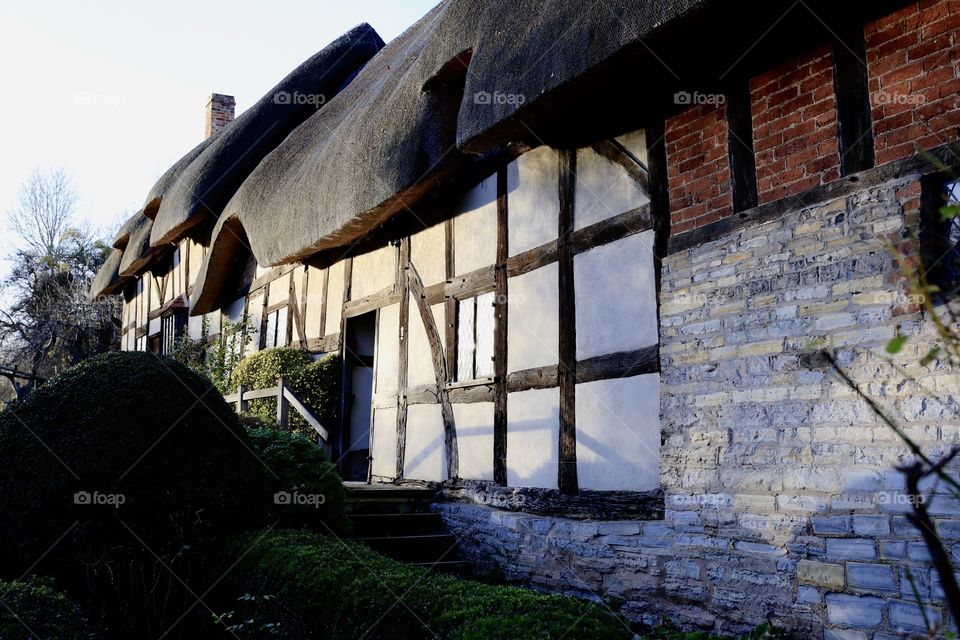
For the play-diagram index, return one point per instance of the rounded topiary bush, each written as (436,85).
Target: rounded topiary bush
(124,453)
(316,382)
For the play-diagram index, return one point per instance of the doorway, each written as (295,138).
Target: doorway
(359,347)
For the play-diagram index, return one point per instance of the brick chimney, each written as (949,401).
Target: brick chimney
(219,113)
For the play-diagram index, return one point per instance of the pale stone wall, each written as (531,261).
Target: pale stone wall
(781,499)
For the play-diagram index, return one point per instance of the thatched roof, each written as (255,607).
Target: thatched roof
(472,81)
(411,115)
(204,185)
(194,189)
(169,177)
(134,241)
(108,280)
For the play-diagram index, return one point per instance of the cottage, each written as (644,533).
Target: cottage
(574,257)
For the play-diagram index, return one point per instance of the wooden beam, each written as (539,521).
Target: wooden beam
(612,229)
(403,286)
(440,371)
(537,378)
(323,301)
(854,115)
(304,298)
(500,335)
(383,298)
(619,155)
(533,259)
(743,166)
(450,304)
(582,240)
(624,364)
(567,375)
(469,285)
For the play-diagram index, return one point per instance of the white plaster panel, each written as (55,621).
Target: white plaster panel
(603,190)
(428,254)
(533,432)
(388,348)
(533,317)
(618,434)
(419,359)
(373,272)
(616,297)
(424,457)
(278,291)
(196,258)
(315,303)
(384,447)
(533,200)
(213,322)
(334,300)
(636,143)
(475,228)
(195,327)
(475,439)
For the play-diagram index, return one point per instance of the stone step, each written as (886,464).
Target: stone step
(414,549)
(395,524)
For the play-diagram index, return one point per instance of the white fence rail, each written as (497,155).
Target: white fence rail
(286,398)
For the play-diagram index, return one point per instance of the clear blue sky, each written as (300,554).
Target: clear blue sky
(113,91)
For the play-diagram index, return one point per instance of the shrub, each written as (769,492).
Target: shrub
(307,488)
(319,587)
(317,383)
(35,610)
(122,451)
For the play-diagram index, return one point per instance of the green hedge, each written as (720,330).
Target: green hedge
(123,446)
(313,492)
(308,586)
(316,382)
(34,609)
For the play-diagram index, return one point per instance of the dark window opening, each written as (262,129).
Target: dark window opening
(275,329)
(172,328)
(940,235)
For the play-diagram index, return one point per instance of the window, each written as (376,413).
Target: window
(172,327)
(475,321)
(275,332)
(940,234)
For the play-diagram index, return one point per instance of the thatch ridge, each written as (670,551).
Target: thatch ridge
(198,194)
(396,132)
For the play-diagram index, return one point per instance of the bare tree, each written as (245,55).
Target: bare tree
(50,321)
(47,204)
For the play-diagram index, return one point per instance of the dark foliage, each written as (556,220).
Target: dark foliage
(124,453)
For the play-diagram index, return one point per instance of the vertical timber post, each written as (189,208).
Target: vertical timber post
(500,336)
(403,288)
(283,409)
(567,471)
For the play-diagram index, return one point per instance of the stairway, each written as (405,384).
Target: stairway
(397,522)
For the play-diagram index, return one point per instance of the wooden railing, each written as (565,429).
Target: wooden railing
(286,398)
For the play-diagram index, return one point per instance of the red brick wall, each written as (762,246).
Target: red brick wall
(795,134)
(698,168)
(914,75)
